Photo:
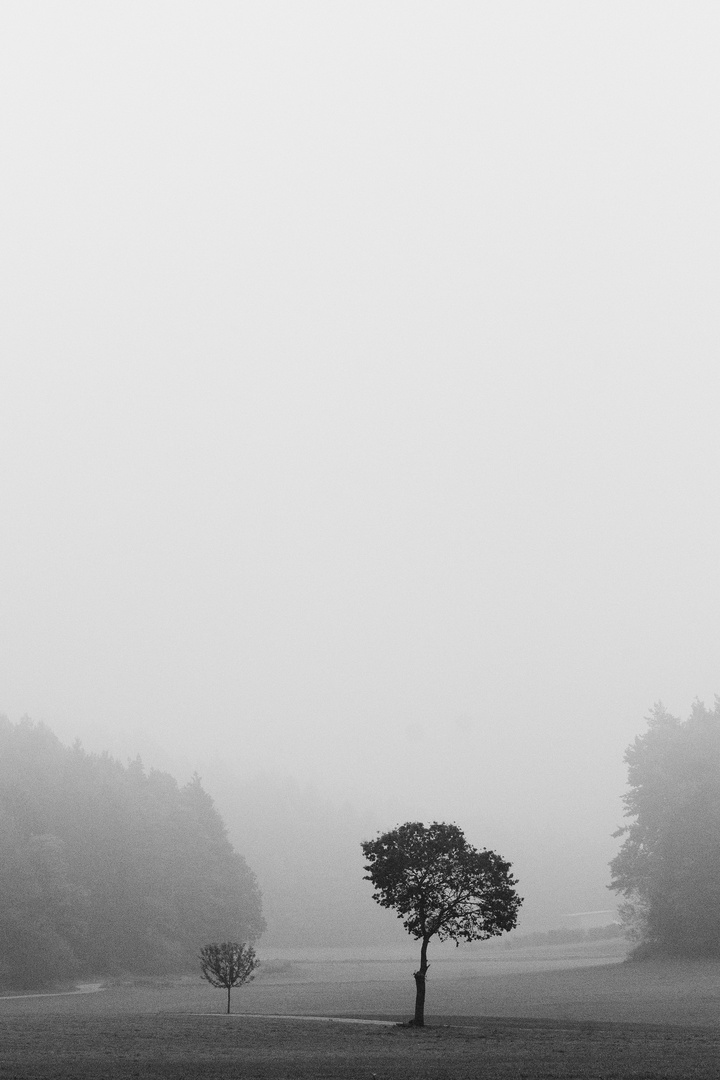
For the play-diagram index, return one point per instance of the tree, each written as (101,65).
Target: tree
(668,868)
(228,964)
(440,886)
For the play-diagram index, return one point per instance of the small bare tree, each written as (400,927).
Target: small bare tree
(228,964)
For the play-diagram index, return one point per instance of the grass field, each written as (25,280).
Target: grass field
(187,1047)
(611,1020)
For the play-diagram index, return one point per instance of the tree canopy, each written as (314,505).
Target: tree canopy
(106,868)
(668,868)
(228,964)
(440,886)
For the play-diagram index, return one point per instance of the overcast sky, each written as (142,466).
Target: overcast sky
(360,388)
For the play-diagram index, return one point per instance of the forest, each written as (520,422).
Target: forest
(106,868)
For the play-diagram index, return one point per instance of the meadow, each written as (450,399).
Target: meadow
(546,1014)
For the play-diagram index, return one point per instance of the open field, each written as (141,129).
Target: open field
(612,1020)
(199,1048)
(378,964)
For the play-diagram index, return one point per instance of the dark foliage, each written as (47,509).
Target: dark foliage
(668,868)
(440,886)
(228,964)
(106,868)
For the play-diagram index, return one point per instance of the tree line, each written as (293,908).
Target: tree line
(106,868)
(668,868)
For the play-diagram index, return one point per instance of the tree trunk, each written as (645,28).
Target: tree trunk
(419,976)
(228,1000)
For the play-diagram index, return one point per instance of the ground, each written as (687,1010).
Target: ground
(201,1048)
(613,1021)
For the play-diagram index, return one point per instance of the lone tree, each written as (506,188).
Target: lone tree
(440,885)
(228,964)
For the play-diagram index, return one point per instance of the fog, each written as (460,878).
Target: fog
(358,413)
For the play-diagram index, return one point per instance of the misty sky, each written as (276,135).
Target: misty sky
(360,387)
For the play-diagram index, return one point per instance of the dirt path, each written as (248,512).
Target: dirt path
(82,988)
(286,1016)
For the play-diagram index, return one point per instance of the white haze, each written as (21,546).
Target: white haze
(359,398)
